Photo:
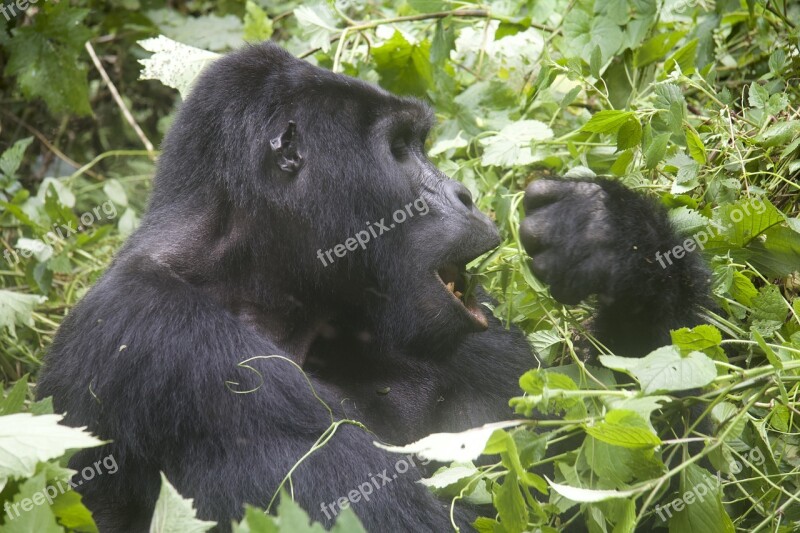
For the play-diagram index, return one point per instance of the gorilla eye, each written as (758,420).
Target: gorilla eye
(401,145)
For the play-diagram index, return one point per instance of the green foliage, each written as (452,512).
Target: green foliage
(695,102)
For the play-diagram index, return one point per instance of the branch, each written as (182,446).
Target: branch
(118,99)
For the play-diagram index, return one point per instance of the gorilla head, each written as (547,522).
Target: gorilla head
(286,161)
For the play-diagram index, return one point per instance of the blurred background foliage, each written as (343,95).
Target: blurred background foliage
(696,102)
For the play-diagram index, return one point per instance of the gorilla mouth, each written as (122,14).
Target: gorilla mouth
(452,278)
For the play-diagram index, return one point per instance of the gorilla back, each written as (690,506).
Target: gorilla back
(270,163)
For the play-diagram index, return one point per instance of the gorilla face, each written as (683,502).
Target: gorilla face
(329,158)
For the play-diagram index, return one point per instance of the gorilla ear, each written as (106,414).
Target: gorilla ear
(284,148)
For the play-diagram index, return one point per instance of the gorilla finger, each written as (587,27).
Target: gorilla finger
(542,192)
(533,233)
(543,266)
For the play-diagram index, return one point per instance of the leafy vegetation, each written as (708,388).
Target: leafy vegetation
(695,102)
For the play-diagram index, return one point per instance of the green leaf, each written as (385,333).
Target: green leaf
(115,192)
(577,494)
(656,150)
(318,24)
(757,96)
(779,133)
(665,369)
(176,514)
(428,6)
(11,159)
(403,67)
(703,338)
(17,309)
(26,440)
(15,399)
(620,466)
(596,62)
(49,49)
(583,32)
(626,429)
(701,508)
(629,134)
(511,146)
(174,64)
(510,504)
(257,24)
(347,522)
(656,48)
(607,121)
(669,98)
(696,147)
(39,518)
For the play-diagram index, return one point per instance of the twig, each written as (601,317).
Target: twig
(39,135)
(118,99)
(476,13)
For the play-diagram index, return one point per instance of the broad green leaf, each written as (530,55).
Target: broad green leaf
(318,24)
(511,146)
(656,48)
(206,32)
(607,121)
(11,159)
(620,466)
(665,369)
(701,509)
(686,175)
(669,98)
(655,151)
(15,399)
(779,133)
(428,6)
(50,49)
(174,64)
(404,67)
(626,429)
(39,518)
(26,440)
(686,221)
(113,189)
(176,514)
(583,32)
(510,504)
(257,24)
(757,96)
(629,134)
(703,338)
(696,147)
(17,309)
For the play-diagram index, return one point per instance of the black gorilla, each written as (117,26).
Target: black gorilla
(269,161)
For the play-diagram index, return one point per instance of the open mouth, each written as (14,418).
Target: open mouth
(453,279)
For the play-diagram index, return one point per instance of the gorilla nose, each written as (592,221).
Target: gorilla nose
(458,195)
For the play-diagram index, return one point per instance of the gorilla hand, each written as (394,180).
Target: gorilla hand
(570,235)
(598,237)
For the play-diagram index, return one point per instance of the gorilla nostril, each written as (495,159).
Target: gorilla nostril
(460,194)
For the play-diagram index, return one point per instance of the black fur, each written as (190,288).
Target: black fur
(270,160)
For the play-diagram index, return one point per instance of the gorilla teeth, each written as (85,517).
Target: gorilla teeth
(451,287)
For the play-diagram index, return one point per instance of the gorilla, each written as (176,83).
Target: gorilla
(196,352)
